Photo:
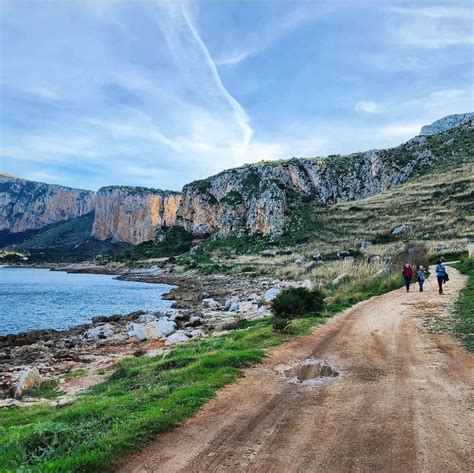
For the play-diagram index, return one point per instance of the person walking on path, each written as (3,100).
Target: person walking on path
(441,275)
(407,275)
(421,275)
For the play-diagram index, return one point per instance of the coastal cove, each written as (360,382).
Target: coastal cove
(33,298)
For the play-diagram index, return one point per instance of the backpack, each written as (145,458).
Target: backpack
(446,277)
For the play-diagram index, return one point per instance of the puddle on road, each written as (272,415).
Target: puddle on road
(310,372)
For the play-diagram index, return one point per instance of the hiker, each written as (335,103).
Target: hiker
(441,275)
(407,275)
(421,274)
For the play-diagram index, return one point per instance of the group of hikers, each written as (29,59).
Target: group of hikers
(421,275)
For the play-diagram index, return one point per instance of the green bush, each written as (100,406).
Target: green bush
(280,325)
(296,302)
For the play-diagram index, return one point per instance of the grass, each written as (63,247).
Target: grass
(47,390)
(76,373)
(464,309)
(145,397)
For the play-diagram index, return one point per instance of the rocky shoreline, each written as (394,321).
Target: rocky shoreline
(203,306)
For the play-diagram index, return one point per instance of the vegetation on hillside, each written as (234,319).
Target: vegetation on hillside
(464,310)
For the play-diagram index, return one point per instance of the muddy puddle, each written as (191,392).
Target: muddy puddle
(310,372)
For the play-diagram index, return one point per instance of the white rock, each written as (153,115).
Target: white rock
(382,272)
(197,334)
(100,332)
(301,260)
(402,229)
(29,379)
(234,307)
(253,297)
(145,318)
(178,337)
(160,328)
(307,284)
(341,278)
(248,306)
(211,304)
(229,302)
(271,293)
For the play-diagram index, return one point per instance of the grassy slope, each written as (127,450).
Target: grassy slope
(464,311)
(146,396)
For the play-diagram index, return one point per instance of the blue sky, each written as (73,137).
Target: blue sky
(159,93)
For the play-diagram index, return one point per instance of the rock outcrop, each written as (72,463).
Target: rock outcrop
(258,198)
(132,214)
(446,123)
(28,205)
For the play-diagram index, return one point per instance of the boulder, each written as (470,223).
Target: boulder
(100,332)
(229,302)
(145,318)
(300,261)
(341,278)
(248,306)
(211,304)
(317,256)
(29,379)
(402,229)
(271,293)
(160,328)
(349,258)
(194,322)
(197,334)
(343,254)
(180,317)
(307,284)
(234,307)
(178,337)
(365,243)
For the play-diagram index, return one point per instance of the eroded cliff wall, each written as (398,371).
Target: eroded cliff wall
(132,214)
(28,205)
(256,198)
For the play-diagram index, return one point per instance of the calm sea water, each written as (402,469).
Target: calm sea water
(33,299)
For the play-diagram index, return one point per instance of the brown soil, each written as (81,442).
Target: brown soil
(403,402)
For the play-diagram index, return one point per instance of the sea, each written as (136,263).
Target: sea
(33,298)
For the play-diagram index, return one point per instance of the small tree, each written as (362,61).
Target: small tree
(296,302)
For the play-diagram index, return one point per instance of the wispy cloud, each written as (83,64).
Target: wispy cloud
(433,27)
(367,106)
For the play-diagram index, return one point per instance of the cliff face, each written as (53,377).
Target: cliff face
(256,199)
(446,123)
(28,205)
(132,214)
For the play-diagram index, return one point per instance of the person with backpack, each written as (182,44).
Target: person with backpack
(421,275)
(441,275)
(407,275)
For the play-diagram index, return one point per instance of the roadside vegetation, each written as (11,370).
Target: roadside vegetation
(146,396)
(464,309)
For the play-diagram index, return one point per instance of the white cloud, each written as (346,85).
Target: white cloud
(433,27)
(367,106)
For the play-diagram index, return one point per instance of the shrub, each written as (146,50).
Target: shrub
(296,302)
(280,325)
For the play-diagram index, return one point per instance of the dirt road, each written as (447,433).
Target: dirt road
(403,402)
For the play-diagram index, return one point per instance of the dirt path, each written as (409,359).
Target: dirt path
(404,402)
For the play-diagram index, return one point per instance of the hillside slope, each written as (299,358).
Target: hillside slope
(261,198)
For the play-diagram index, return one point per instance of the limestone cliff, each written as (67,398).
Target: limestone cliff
(132,214)
(28,205)
(446,123)
(256,198)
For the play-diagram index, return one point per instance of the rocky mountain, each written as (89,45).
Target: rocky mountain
(132,214)
(257,198)
(446,123)
(27,205)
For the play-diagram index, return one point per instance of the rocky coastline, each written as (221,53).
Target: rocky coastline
(203,306)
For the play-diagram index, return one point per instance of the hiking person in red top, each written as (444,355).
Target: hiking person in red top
(407,275)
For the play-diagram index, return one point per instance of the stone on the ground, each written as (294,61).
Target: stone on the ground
(402,229)
(194,322)
(160,328)
(197,334)
(349,258)
(365,243)
(179,317)
(312,265)
(29,379)
(341,278)
(248,306)
(317,256)
(145,318)
(100,332)
(211,304)
(178,337)
(271,293)
(307,284)
(300,261)
(343,254)
(234,307)
(229,302)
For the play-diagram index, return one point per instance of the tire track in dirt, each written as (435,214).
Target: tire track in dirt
(403,401)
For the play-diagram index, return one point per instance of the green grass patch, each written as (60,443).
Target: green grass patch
(464,309)
(75,373)
(47,390)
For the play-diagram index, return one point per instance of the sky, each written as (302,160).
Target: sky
(161,93)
